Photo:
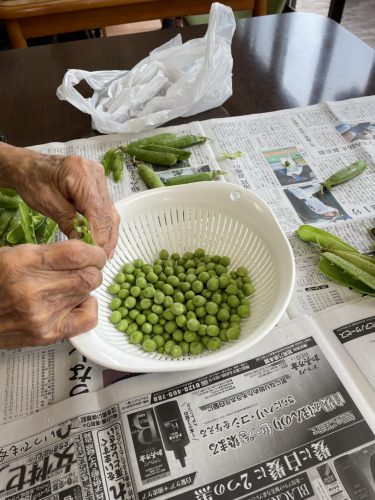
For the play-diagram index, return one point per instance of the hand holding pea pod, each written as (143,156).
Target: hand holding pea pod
(340,262)
(60,186)
(45,297)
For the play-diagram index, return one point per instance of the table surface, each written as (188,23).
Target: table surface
(280,61)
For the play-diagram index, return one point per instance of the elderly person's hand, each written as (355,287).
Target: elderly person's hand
(44,292)
(60,186)
(45,289)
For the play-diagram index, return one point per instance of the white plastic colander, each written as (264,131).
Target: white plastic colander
(222,218)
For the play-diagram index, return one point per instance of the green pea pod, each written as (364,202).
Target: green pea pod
(351,269)
(118,166)
(27,224)
(155,157)
(81,225)
(343,175)
(153,139)
(39,228)
(16,235)
(38,221)
(184,141)
(368,258)
(50,230)
(180,153)
(339,276)
(107,161)
(322,238)
(8,191)
(149,177)
(10,202)
(5,218)
(196,177)
(46,231)
(356,259)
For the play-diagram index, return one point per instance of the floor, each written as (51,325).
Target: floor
(358,18)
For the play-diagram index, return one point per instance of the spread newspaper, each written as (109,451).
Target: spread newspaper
(292,418)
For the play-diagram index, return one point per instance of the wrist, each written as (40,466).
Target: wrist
(17,165)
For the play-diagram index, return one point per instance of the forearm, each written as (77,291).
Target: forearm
(14,164)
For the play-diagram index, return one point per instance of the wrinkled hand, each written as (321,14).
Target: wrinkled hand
(60,186)
(44,292)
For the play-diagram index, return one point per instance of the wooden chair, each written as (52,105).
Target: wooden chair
(25,19)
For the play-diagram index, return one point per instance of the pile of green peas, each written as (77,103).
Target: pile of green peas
(180,304)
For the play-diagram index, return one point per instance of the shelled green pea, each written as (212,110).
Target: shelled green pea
(180,304)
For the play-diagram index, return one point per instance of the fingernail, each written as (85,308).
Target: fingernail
(110,253)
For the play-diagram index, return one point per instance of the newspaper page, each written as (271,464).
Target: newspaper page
(34,378)
(312,139)
(347,335)
(286,155)
(283,156)
(249,429)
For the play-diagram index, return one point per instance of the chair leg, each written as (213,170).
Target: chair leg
(260,8)
(16,38)
(336,9)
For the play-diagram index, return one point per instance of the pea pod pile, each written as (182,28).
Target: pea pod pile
(341,262)
(180,305)
(161,149)
(20,224)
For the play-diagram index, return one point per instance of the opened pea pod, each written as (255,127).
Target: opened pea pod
(344,175)
(341,262)
(81,225)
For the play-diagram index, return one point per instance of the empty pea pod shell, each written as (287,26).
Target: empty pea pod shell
(26,219)
(339,276)
(356,259)
(5,217)
(322,238)
(107,161)
(15,235)
(10,202)
(351,269)
(343,175)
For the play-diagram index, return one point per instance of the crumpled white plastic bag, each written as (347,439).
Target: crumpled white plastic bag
(176,79)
